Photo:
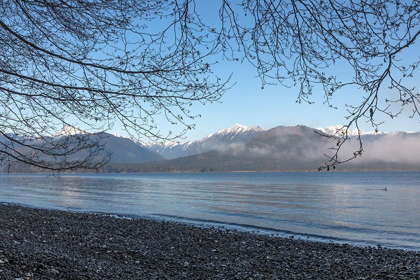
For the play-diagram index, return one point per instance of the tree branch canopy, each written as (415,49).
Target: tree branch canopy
(303,43)
(106,62)
(97,63)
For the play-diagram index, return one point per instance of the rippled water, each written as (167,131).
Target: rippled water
(341,206)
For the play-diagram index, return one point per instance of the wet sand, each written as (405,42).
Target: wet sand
(50,244)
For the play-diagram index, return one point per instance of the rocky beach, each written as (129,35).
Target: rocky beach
(50,244)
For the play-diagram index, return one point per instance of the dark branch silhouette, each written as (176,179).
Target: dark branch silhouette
(304,43)
(100,63)
(97,63)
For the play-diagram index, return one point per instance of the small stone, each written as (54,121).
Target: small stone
(54,271)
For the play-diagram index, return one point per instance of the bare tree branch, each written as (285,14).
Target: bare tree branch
(302,43)
(105,62)
(97,63)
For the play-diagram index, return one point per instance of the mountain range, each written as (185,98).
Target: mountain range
(283,148)
(123,150)
(223,139)
(297,148)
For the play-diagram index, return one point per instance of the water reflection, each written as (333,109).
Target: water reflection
(70,196)
(334,206)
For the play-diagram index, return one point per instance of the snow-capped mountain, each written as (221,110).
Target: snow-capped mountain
(252,148)
(339,130)
(299,148)
(237,131)
(238,135)
(223,139)
(66,131)
(70,130)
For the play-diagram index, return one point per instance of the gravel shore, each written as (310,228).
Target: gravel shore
(48,244)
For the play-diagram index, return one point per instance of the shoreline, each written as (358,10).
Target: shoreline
(53,244)
(237,227)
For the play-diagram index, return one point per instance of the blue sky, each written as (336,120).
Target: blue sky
(246,103)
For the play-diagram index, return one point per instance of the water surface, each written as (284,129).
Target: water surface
(340,206)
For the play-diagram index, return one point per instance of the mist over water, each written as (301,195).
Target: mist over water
(348,207)
(386,149)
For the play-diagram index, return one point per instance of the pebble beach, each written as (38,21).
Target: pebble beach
(52,244)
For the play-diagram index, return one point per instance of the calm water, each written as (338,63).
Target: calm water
(344,207)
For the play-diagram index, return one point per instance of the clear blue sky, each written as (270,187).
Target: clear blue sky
(246,103)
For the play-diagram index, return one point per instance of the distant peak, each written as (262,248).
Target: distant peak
(70,130)
(235,127)
(122,136)
(238,125)
(238,128)
(342,130)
